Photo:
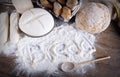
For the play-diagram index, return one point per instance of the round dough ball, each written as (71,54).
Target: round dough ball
(93,18)
(36,22)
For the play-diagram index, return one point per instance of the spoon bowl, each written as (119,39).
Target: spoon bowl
(67,66)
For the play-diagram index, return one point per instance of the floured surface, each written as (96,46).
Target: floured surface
(63,44)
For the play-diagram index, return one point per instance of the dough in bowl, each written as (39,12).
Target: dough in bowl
(36,22)
(93,18)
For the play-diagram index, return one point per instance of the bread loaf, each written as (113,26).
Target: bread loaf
(94,18)
(4,25)
(14,31)
(71,3)
(66,13)
(46,4)
(22,5)
(57,8)
(36,22)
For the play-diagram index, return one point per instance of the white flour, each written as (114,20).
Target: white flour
(63,44)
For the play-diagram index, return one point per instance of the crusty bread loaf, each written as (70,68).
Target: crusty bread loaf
(36,22)
(57,8)
(4,25)
(14,31)
(94,18)
(22,5)
(46,4)
(71,3)
(66,13)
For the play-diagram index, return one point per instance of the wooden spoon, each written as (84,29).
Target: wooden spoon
(69,66)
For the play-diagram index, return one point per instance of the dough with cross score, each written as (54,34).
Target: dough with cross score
(94,18)
(36,22)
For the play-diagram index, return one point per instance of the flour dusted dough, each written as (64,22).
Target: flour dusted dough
(3,28)
(22,5)
(36,22)
(14,31)
(94,18)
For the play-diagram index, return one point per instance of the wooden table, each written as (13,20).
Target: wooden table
(107,43)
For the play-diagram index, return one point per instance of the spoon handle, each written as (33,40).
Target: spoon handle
(96,60)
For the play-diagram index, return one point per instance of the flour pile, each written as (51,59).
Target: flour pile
(64,44)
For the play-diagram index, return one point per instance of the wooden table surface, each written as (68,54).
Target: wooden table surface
(107,43)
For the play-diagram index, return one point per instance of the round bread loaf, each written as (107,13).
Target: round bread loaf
(94,18)
(36,22)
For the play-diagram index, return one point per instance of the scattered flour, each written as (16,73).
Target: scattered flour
(64,44)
